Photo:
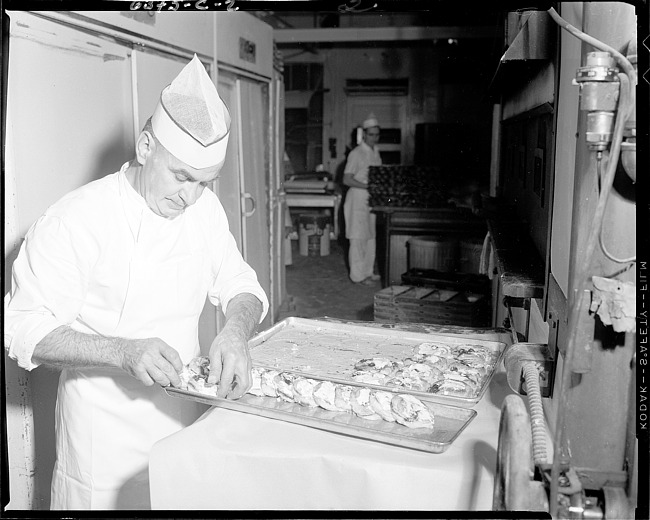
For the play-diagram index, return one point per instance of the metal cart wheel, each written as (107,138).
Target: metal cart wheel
(617,504)
(514,487)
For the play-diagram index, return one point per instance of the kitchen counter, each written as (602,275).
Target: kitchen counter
(230,460)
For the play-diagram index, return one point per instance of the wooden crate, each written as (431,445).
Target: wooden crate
(406,303)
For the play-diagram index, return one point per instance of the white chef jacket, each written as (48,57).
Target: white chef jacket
(359,221)
(102,262)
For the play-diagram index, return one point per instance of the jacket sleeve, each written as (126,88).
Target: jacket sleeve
(353,164)
(48,286)
(231,274)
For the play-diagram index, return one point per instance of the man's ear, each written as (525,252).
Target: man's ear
(144,146)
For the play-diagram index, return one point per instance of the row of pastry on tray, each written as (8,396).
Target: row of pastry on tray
(363,402)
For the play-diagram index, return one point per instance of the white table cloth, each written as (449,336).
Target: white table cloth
(231,460)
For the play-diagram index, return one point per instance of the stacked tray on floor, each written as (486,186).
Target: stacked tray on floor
(406,303)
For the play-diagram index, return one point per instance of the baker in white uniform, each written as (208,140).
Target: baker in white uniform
(109,285)
(359,221)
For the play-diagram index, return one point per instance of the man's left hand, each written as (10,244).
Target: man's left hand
(230,365)
(230,361)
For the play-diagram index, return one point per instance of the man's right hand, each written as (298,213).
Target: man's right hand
(151,360)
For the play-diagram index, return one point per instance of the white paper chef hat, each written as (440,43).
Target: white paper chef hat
(191,121)
(370,122)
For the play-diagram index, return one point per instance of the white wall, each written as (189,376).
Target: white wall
(20,426)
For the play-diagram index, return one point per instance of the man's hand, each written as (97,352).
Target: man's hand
(151,360)
(230,361)
(230,365)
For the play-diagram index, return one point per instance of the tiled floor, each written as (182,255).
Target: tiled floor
(318,286)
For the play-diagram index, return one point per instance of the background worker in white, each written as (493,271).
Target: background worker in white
(359,221)
(109,286)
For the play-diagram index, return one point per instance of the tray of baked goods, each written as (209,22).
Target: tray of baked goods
(404,420)
(450,369)
(396,387)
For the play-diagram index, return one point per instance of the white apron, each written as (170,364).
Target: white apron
(106,420)
(359,221)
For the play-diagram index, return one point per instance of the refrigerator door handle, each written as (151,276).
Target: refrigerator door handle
(245,197)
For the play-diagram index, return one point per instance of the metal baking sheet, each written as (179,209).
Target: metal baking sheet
(449,421)
(325,350)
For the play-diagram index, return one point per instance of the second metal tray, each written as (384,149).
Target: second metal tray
(327,350)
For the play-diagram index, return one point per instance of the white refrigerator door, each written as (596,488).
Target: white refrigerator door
(255,180)
(228,185)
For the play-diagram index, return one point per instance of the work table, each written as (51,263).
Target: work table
(410,221)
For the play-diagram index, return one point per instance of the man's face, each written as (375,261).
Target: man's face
(371,136)
(169,185)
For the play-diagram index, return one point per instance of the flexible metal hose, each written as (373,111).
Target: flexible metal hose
(537,421)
